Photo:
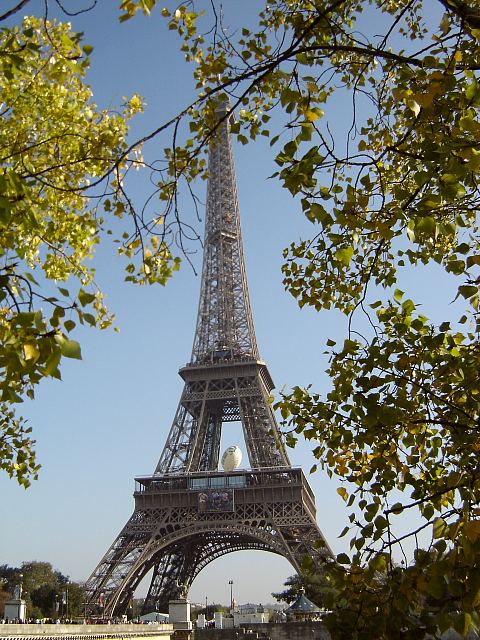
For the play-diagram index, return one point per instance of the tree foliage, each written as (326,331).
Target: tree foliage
(316,586)
(62,167)
(47,592)
(393,193)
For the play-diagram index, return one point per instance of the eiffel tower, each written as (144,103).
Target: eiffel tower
(189,512)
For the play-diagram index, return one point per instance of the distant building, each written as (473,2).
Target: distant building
(154,616)
(250,614)
(278,616)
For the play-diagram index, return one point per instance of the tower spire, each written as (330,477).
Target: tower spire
(224,323)
(225,380)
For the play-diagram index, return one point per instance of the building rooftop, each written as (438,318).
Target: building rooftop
(303,604)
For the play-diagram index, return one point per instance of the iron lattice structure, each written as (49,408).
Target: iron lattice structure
(189,513)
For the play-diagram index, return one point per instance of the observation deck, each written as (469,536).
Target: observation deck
(217,491)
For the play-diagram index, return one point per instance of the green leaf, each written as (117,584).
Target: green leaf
(473,260)
(69,348)
(90,319)
(426,225)
(52,363)
(440,528)
(31,351)
(69,325)
(85,298)
(435,587)
(408,306)
(344,255)
(342,558)
(381,522)
(467,291)
(428,511)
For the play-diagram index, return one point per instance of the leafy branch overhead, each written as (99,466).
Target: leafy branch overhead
(391,192)
(63,176)
(62,172)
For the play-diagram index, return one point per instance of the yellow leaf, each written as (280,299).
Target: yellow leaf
(31,352)
(311,116)
(342,492)
(413,106)
(458,56)
(472,530)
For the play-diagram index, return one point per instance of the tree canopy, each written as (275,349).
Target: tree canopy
(316,586)
(47,592)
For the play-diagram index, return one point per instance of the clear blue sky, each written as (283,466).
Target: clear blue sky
(108,419)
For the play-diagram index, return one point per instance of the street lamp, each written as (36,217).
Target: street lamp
(230,582)
(206,604)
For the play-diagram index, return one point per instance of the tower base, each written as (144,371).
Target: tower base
(183,522)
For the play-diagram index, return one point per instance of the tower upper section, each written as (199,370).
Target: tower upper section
(224,323)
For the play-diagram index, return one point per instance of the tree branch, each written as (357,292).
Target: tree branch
(14,10)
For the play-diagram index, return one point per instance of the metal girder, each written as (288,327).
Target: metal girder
(188,561)
(225,380)
(224,323)
(179,556)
